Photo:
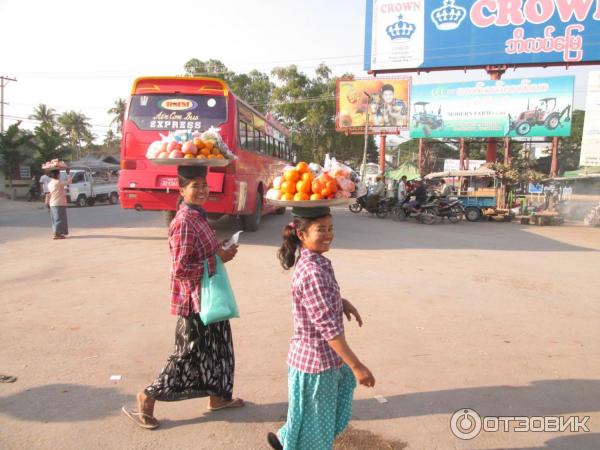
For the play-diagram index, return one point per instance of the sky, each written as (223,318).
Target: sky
(83,55)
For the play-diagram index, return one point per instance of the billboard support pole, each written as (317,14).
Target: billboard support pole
(554,164)
(495,73)
(382,140)
(363,172)
(462,154)
(506,151)
(420,162)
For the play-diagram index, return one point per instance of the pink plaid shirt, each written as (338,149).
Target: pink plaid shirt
(318,314)
(191,241)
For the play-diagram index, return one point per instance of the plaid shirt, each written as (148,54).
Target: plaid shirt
(191,241)
(318,314)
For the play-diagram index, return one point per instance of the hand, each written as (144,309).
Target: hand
(363,375)
(227,255)
(350,310)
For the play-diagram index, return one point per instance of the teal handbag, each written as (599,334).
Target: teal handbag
(216,298)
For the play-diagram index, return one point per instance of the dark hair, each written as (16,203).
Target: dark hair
(387,87)
(55,174)
(287,253)
(184,181)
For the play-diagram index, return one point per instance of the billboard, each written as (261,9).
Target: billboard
(527,107)
(385,101)
(418,34)
(590,144)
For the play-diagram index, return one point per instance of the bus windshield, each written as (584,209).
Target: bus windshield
(177,112)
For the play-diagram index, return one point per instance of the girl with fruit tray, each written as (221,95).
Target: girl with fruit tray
(322,369)
(202,364)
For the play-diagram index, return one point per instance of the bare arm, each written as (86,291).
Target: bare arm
(361,372)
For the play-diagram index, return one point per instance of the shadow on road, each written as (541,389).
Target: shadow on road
(587,441)
(63,403)
(126,238)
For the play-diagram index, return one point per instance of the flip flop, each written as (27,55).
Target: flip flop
(274,442)
(136,417)
(7,379)
(235,403)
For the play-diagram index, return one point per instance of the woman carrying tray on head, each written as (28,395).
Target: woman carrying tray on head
(323,369)
(57,202)
(202,363)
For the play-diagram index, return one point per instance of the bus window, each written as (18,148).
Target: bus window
(243,134)
(258,145)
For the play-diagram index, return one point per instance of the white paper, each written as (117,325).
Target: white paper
(233,241)
(381,399)
(115,377)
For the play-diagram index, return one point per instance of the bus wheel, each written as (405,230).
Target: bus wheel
(82,201)
(169,216)
(252,221)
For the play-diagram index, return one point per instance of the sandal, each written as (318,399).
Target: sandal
(136,417)
(274,441)
(234,403)
(7,379)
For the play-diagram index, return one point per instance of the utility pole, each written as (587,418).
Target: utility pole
(3,82)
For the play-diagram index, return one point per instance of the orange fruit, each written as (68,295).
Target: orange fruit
(301,197)
(303,186)
(308,177)
(332,186)
(316,197)
(212,156)
(326,192)
(287,197)
(215,150)
(277,182)
(219,156)
(302,167)
(291,175)
(189,156)
(288,187)
(209,145)
(317,186)
(205,152)
(199,143)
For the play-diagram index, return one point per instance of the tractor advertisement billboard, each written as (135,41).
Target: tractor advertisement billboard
(384,101)
(408,35)
(527,107)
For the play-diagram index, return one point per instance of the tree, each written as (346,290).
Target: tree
(213,67)
(254,88)
(569,149)
(111,144)
(77,129)
(49,143)
(45,115)
(14,149)
(118,111)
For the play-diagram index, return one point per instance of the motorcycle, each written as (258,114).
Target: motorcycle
(450,209)
(381,210)
(426,213)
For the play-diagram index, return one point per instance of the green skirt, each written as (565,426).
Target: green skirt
(320,406)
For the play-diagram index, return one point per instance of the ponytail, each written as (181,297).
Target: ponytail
(289,247)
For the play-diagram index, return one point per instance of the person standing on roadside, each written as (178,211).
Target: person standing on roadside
(44,180)
(57,202)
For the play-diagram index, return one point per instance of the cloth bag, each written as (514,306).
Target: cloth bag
(216,299)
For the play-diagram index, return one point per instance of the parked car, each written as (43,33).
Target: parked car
(89,186)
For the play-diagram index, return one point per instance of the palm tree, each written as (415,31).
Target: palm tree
(118,110)
(14,149)
(46,116)
(77,129)
(49,143)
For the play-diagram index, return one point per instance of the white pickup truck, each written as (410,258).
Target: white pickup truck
(89,186)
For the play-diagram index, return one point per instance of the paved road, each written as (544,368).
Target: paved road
(500,318)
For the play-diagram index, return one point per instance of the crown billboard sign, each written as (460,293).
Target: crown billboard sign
(409,35)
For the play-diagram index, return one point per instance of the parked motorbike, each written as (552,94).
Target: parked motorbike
(34,194)
(450,209)
(426,213)
(381,210)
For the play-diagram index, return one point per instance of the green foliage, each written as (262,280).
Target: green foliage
(118,111)
(14,150)
(76,127)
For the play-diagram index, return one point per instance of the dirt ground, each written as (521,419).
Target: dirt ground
(500,318)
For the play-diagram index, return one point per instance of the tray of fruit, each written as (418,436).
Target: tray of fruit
(307,185)
(182,148)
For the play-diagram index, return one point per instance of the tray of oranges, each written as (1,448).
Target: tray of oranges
(307,185)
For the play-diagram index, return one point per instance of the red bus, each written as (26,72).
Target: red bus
(164,104)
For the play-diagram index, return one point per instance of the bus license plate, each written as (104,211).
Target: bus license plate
(168,182)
